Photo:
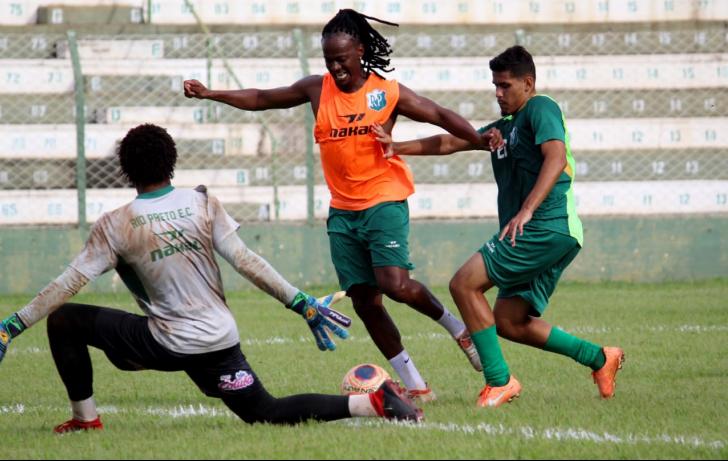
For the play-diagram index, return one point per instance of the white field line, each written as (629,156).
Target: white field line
(559,434)
(279,340)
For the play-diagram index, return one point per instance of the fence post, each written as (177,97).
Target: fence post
(308,123)
(78,88)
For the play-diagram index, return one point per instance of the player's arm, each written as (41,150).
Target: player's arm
(554,153)
(258,271)
(422,109)
(95,259)
(256,99)
(443,144)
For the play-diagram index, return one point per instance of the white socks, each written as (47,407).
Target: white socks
(361,405)
(405,368)
(452,324)
(84,410)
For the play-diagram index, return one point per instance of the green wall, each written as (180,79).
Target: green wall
(624,249)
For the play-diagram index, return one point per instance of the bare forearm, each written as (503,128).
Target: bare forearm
(443,144)
(551,169)
(242,99)
(459,127)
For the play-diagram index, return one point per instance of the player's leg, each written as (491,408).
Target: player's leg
(124,337)
(69,331)
(387,231)
(367,302)
(467,287)
(352,261)
(519,308)
(227,375)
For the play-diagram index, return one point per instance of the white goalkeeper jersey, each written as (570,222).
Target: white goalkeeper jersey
(162,245)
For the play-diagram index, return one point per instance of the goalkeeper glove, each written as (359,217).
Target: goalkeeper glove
(319,316)
(9,329)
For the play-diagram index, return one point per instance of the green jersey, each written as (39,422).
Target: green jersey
(516,167)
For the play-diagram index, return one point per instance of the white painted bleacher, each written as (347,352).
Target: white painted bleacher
(135,57)
(486,12)
(25,12)
(700,70)
(39,141)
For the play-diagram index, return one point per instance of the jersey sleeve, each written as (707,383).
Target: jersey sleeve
(98,255)
(487,127)
(546,120)
(222,223)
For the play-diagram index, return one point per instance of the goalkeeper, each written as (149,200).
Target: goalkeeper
(161,244)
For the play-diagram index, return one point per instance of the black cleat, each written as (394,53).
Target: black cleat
(391,402)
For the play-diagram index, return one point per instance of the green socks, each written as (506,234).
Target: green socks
(584,352)
(495,368)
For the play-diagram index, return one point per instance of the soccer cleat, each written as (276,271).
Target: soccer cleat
(467,346)
(491,396)
(606,377)
(390,401)
(74,425)
(421,395)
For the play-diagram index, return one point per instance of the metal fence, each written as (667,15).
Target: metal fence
(646,106)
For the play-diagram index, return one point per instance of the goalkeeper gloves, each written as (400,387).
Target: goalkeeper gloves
(9,329)
(319,318)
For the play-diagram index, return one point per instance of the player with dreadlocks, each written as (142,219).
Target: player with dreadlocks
(368,222)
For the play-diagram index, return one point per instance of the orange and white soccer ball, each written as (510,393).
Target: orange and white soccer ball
(363,379)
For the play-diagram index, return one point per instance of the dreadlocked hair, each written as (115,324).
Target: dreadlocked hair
(355,24)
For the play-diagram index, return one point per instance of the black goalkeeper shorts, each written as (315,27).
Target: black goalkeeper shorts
(129,345)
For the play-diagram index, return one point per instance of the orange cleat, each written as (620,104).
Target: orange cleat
(605,377)
(496,396)
(420,396)
(74,425)
(467,346)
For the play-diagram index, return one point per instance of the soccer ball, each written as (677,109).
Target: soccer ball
(364,378)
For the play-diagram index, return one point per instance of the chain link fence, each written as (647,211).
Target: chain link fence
(646,106)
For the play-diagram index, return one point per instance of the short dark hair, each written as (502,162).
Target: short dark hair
(516,60)
(355,24)
(147,155)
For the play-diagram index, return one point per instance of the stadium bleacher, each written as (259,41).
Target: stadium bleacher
(643,85)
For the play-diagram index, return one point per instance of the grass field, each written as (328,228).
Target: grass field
(671,402)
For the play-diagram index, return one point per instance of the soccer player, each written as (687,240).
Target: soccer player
(368,222)
(161,244)
(540,232)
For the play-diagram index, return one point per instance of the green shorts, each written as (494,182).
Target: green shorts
(532,268)
(363,240)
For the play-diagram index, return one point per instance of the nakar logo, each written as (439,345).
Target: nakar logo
(377,100)
(242,380)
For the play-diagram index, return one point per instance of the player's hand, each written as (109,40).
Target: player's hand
(5,339)
(515,225)
(195,89)
(384,138)
(319,316)
(493,138)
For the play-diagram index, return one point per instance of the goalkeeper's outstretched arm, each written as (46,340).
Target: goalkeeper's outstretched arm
(257,270)
(53,296)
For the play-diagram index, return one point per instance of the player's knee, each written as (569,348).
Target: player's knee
(506,328)
(58,320)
